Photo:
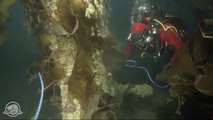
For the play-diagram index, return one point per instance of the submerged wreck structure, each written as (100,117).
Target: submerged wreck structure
(74,35)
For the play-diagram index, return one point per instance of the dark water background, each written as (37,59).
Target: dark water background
(21,49)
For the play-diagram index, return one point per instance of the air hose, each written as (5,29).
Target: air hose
(165,28)
(133,64)
(41,96)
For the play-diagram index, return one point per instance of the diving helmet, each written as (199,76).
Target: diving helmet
(148,10)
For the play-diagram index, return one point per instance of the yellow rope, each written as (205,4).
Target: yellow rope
(165,28)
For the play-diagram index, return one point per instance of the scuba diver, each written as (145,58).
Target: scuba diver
(153,34)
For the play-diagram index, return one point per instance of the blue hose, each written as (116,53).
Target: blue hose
(133,64)
(41,97)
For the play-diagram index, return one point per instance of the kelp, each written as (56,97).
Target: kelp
(181,68)
(180,75)
(73,38)
(190,72)
(204,83)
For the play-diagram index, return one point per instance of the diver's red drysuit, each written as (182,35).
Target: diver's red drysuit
(168,37)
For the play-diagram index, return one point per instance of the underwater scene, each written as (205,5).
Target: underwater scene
(106,59)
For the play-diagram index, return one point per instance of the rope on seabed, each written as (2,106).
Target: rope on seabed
(133,64)
(41,97)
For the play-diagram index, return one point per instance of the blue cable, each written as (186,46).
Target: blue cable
(41,97)
(133,64)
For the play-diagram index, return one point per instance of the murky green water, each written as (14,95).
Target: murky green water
(16,55)
(21,49)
